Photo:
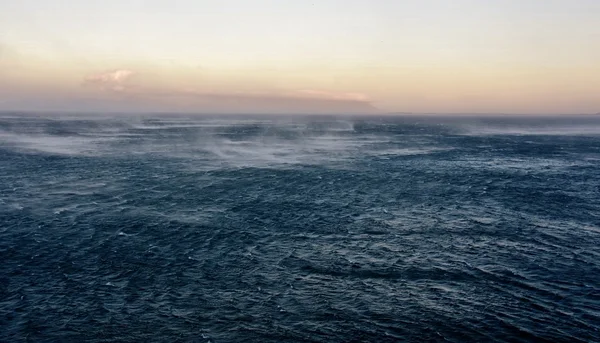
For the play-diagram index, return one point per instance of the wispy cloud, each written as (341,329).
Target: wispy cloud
(114,80)
(330,95)
(124,83)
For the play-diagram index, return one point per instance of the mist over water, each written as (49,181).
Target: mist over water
(299,229)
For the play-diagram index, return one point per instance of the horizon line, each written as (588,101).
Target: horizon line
(394,113)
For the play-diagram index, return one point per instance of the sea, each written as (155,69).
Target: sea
(223,228)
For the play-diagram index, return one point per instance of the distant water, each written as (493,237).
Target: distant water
(299,229)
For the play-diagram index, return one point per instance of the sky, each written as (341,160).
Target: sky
(327,56)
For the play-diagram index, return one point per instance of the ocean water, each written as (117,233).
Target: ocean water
(181,228)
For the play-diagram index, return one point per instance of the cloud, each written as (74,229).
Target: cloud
(124,83)
(328,95)
(267,102)
(115,80)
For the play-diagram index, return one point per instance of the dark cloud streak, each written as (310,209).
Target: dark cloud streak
(119,85)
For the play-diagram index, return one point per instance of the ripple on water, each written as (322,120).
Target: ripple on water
(199,229)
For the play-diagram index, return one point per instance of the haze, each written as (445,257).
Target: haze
(328,56)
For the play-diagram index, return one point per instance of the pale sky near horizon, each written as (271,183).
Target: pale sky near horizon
(454,56)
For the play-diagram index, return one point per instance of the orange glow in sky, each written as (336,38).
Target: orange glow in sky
(330,56)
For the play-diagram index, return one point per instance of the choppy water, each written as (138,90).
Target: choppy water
(290,229)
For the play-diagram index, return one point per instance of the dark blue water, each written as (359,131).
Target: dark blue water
(299,229)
